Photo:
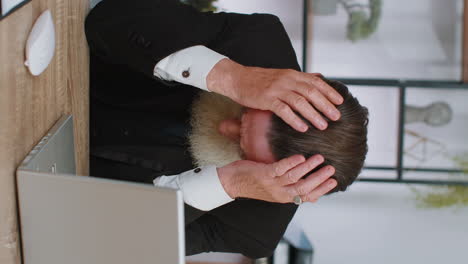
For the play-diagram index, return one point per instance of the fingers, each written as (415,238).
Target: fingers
(310,92)
(296,173)
(316,74)
(318,192)
(281,167)
(307,186)
(326,89)
(301,105)
(320,102)
(284,112)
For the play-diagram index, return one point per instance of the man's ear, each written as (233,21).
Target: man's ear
(230,128)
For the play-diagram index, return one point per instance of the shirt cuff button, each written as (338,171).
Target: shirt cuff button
(197,170)
(185,74)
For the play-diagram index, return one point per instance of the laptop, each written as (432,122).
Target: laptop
(65,218)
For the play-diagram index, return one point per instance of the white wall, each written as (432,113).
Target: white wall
(418,39)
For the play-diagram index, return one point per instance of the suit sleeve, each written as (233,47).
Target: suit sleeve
(140,33)
(210,235)
(250,227)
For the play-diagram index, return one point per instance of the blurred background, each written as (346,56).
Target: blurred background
(407,62)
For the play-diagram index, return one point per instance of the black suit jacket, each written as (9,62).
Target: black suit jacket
(138,123)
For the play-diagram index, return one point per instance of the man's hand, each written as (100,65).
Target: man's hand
(281,91)
(277,182)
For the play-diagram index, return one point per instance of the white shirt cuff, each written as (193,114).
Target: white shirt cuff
(188,66)
(200,187)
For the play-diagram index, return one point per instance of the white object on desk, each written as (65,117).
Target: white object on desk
(7,5)
(40,46)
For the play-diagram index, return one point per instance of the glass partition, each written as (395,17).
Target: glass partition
(418,39)
(436,125)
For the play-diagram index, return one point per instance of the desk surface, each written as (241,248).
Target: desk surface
(29,105)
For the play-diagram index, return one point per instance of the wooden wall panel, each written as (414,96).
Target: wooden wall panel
(29,105)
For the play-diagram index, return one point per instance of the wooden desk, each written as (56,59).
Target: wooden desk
(29,105)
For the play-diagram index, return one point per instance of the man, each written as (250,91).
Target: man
(138,118)
(223,132)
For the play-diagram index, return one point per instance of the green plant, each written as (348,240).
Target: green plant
(445,196)
(361,25)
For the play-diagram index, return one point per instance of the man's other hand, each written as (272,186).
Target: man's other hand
(278,182)
(281,91)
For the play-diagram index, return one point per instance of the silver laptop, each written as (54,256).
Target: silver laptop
(74,219)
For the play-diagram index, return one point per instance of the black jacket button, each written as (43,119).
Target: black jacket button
(185,74)
(197,170)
